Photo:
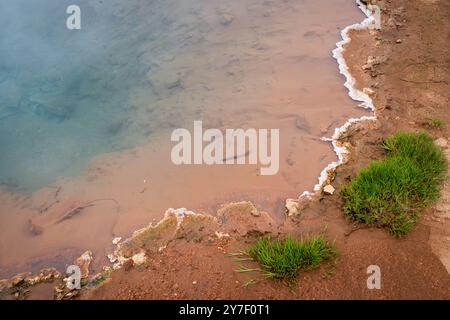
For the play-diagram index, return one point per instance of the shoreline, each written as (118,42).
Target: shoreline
(340,151)
(355,94)
(331,203)
(324,171)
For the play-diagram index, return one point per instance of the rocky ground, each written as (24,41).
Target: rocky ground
(407,68)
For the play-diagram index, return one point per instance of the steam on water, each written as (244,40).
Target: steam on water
(64,95)
(139,67)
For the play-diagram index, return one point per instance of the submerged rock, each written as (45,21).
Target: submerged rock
(302,124)
(174,84)
(226,19)
(51,110)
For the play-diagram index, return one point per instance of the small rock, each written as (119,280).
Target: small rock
(226,19)
(441,142)
(194,282)
(84,262)
(292,207)
(58,290)
(221,235)
(323,128)
(33,280)
(70,295)
(399,41)
(112,258)
(17,281)
(368,91)
(255,212)
(329,189)
(139,258)
(117,239)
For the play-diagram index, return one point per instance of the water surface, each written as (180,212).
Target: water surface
(86,115)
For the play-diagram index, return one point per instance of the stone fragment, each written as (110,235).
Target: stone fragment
(329,189)
(255,212)
(441,142)
(226,19)
(139,258)
(116,240)
(292,207)
(84,262)
(368,91)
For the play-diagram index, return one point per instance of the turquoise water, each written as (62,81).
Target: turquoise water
(138,69)
(64,94)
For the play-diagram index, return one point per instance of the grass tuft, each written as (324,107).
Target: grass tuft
(436,123)
(283,259)
(391,192)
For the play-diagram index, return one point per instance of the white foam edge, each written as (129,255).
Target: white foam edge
(341,152)
(357,95)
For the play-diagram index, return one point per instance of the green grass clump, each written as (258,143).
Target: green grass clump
(391,192)
(282,259)
(436,123)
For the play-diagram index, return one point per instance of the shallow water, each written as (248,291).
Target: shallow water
(87,115)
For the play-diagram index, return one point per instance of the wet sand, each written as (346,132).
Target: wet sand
(244,65)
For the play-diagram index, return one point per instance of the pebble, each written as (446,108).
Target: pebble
(292,207)
(329,189)
(441,142)
(17,281)
(368,91)
(226,19)
(116,240)
(139,258)
(255,213)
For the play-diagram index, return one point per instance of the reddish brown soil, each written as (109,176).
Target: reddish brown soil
(411,86)
(189,270)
